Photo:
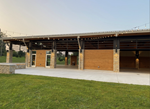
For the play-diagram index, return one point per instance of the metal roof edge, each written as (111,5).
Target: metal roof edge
(79,34)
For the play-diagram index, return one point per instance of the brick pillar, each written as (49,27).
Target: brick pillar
(28,58)
(81,60)
(137,63)
(116,63)
(9,56)
(66,58)
(53,59)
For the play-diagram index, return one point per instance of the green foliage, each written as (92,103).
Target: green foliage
(15,54)
(60,56)
(19,54)
(2,47)
(75,53)
(39,92)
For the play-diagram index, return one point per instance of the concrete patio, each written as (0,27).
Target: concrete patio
(138,78)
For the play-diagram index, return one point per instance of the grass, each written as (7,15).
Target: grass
(14,59)
(38,92)
(22,60)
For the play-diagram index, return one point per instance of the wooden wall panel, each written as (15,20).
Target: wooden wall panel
(73,58)
(144,62)
(40,58)
(101,58)
(127,62)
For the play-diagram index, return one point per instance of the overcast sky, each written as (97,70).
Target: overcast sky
(35,17)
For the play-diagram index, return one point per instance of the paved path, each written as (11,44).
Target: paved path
(96,75)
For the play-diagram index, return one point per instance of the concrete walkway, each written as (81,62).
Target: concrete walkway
(96,75)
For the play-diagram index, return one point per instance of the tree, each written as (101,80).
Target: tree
(2,45)
(75,53)
(15,54)
(61,56)
(21,54)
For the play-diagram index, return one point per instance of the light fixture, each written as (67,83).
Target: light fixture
(40,43)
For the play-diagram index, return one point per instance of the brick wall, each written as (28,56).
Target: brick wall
(98,59)
(40,58)
(127,62)
(127,59)
(73,58)
(144,59)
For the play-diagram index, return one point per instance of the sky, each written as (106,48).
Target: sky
(43,17)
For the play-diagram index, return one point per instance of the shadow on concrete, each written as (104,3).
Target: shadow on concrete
(132,70)
(66,66)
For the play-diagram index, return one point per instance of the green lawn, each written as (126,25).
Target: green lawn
(14,59)
(37,92)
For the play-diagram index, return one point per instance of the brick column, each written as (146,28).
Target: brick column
(116,63)
(28,58)
(53,59)
(81,60)
(9,56)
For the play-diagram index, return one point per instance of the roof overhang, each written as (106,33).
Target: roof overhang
(82,35)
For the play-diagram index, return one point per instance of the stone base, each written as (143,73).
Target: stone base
(20,66)
(53,59)
(81,60)
(116,62)
(7,68)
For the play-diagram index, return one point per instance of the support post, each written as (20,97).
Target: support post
(116,63)
(66,58)
(81,60)
(137,60)
(9,54)
(53,55)
(116,55)
(28,59)
(81,55)
(53,59)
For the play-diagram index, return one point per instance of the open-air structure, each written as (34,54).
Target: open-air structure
(98,50)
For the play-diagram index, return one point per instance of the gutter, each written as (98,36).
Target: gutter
(81,34)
